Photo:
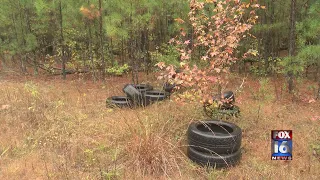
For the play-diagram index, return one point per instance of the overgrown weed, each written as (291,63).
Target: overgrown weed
(61,130)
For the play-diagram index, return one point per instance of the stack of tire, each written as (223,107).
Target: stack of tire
(214,143)
(137,95)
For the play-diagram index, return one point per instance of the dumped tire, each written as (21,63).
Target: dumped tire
(135,95)
(142,88)
(229,95)
(167,87)
(212,159)
(154,95)
(213,135)
(118,101)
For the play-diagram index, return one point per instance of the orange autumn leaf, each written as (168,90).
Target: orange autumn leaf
(219,35)
(179,20)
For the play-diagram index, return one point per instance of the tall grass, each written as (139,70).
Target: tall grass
(62,130)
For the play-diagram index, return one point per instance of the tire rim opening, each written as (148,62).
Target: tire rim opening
(142,87)
(119,99)
(210,127)
(155,93)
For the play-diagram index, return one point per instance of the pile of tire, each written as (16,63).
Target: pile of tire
(214,143)
(136,96)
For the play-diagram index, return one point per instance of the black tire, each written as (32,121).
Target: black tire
(154,95)
(142,88)
(213,135)
(135,95)
(229,95)
(118,101)
(167,87)
(214,160)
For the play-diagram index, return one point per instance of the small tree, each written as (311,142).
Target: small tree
(311,55)
(218,27)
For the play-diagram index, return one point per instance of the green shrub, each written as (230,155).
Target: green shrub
(167,54)
(118,70)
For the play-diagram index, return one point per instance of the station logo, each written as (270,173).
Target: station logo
(281,145)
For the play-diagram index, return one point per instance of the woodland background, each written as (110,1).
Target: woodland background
(110,37)
(60,60)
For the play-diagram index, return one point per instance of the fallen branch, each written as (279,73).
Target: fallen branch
(43,67)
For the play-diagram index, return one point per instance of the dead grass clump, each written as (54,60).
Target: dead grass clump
(153,139)
(151,154)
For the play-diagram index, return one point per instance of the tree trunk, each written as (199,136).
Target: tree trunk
(148,59)
(28,23)
(132,54)
(136,57)
(273,39)
(89,38)
(292,43)
(3,62)
(133,62)
(23,64)
(35,67)
(91,55)
(101,42)
(111,52)
(122,51)
(63,58)
(23,59)
(143,48)
(266,45)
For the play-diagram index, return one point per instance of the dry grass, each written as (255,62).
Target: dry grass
(62,130)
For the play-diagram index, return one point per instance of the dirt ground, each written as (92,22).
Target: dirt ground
(55,129)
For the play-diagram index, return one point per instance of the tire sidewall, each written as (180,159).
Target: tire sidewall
(111,102)
(219,143)
(214,160)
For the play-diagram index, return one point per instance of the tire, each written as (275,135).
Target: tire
(229,95)
(213,135)
(135,95)
(154,95)
(167,87)
(118,101)
(214,160)
(142,88)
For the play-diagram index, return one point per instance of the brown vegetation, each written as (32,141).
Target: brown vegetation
(54,129)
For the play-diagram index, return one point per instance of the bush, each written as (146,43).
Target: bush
(167,54)
(118,70)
